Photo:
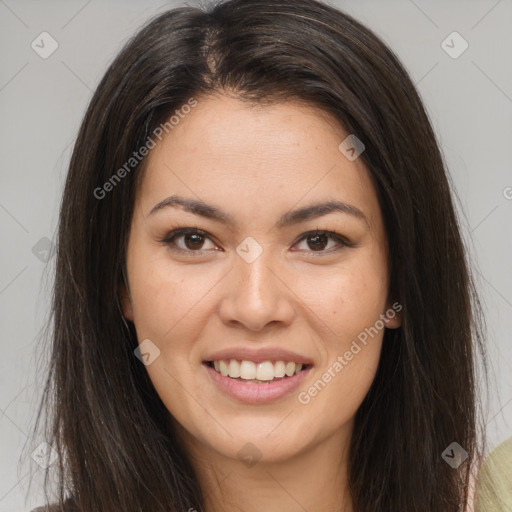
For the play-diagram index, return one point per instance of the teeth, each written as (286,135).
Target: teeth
(265,371)
(234,368)
(224,369)
(247,370)
(279,369)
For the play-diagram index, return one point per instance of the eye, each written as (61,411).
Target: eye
(318,240)
(193,240)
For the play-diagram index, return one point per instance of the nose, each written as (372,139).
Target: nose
(256,295)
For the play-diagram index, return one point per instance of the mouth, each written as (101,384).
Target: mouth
(256,383)
(250,372)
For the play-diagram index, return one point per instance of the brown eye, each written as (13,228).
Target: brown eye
(193,240)
(318,241)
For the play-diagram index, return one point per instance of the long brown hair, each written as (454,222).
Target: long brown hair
(104,417)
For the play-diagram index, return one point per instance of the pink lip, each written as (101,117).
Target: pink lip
(256,393)
(257,355)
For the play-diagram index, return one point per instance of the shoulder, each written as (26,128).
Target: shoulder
(494,491)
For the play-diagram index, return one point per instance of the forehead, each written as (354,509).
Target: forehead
(229,152)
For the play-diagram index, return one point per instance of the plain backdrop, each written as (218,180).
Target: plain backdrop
(42,101)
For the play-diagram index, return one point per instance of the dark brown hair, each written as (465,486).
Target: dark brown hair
(105,419)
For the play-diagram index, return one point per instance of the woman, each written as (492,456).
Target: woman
(262,300)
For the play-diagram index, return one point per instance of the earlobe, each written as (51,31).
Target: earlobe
(394,323)
(393,316)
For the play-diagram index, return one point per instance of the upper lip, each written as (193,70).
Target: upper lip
(258,355)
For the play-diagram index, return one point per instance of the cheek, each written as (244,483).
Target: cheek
(339,389)
(352,302)
(346,299)
(166,297)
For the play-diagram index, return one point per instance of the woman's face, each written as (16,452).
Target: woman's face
(252,285)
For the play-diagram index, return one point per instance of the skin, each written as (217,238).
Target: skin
(257,162)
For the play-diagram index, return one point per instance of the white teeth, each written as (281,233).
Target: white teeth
(247,370)
(279,369)
(265,371)
(290,369)
(234,368)
(224,370)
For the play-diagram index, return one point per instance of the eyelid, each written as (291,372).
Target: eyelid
(176,233)
(333,235)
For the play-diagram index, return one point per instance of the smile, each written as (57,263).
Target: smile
(251,372)
(256,383)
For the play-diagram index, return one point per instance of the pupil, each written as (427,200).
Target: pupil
(315,244)
(196,241)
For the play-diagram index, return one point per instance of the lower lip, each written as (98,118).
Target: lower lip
(256,393)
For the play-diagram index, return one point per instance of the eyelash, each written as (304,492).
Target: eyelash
(172,235)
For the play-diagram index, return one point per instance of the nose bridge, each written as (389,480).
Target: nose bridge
(257,273)
(257,294)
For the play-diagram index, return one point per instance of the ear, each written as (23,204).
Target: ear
(393,315)
(126,303)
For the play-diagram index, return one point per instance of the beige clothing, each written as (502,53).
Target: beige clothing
(494,487)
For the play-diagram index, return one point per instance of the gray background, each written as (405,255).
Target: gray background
(42,101)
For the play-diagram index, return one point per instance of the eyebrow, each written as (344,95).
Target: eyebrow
(288,219)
